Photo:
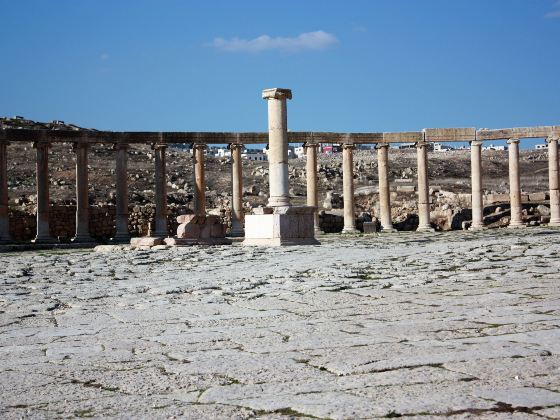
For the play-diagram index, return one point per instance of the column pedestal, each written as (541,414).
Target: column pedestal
(279,223)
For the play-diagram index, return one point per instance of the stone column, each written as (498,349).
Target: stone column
(199,180)
(237,191)
(43,234)
(82,199)
(423,189)
(476,185)
(161,192)
(311,173)
(121,218)
(514,184)
(278,146)
(348,188)
(553,181)
(384,191)
(4,218)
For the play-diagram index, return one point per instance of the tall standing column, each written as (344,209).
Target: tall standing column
(423,192)
(348,188)
(476,185)
(278,146)
(121,219)
(311,173)
(514,184)
(43,234)
(553,181)
(161,191)
(237,191)
(199,180)
(82,199)
(384,191)
(4,218)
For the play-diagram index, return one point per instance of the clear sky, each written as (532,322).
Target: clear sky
(377,65)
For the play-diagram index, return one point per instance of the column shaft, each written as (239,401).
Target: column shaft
(514,184)
(384,190)
(82,199)
(278,147)
(348,188)
(121,218)
(476,185)
(553,181)
(199,180)
(237,191)
(4,214)
(43,234)
(161,192)
(311,174)
(423,189)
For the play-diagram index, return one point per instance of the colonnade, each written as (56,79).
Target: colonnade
(278,186)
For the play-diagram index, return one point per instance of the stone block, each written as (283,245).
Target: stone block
(496,198)
(146,241)
(540,196)
(370,227)
(406,188)
(450,134)
(285,226)
(185,218)
(188,230)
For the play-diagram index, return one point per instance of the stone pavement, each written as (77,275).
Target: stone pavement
(458,324)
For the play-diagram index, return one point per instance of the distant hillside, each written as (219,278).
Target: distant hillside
(23,123)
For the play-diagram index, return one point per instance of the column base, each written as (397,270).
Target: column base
(161,234)
(426,229)
(237,233)
(350,230)
(120,238)
(475,228)
(44,240)
(388,229)
(83,239)
(278,202)
(516,225)
(554,223)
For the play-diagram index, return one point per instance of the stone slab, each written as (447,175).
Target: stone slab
(146,241)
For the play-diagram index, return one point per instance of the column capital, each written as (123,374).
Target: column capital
(381,145)
(421,144)
(513,141)
(79,145)
(156,146)
(235,146)
(552,138)
(277,93)
(350,146)
(476,142)
(309,145)
(120,146)
(199,146)
(41,144)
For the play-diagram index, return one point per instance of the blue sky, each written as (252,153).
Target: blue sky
(386,65)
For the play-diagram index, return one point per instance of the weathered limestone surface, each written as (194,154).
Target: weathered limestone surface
(464,323)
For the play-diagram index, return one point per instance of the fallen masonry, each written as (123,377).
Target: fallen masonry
(413,324)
